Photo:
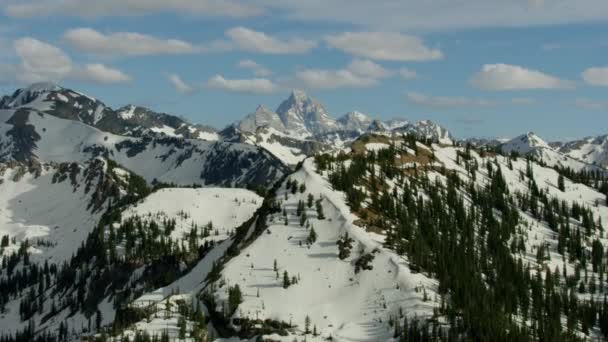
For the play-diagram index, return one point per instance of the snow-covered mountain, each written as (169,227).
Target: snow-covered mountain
(129,120)
(305,116)
(355,121)
(531,144)
(371,238)
(261,117)
(301,127)
(591,150)
(428,130)
(27,134)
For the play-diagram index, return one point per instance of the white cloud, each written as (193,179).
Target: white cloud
(358,74)
(597,76)
(249,86)
(124,43)
(591,104)
(367,68)
(388,15)
(40,61)
(100,73)
(96,8)
(254,41)
(443,15)
(514,77)
(332,79)
(390,46)
(179,84)
(257,69)
(445,101)
(407,74)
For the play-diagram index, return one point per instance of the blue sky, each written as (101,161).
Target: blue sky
(479,67)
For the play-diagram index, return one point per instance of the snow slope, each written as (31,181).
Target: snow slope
(48,209)
(343,304)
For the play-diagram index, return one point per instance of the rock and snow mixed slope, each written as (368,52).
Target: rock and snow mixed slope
(129,120)
(26,134)
(530,144)
(55,206)
(591,150)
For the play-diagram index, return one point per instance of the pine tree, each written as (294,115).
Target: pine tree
(320,214)
(307,325)
(560,183)
(310,200)
(235,298)
(312,236)
(286,281)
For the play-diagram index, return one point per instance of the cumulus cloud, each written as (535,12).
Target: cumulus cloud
(179,84)
(367,68)
(358,74)
(390,46)
(514,77)
(124,43)
(249,86)
(96,8)
(100,73)
(40,61)
(258,70)
(260,42)
(597,76)
(445,101)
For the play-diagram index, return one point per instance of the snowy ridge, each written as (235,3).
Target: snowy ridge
(591,150)
(34,135)
(532,145)
(129,120)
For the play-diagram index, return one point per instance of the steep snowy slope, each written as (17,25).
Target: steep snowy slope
(340,300)
(211,212)
(55,206)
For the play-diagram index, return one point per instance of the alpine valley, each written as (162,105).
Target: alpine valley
(290,225)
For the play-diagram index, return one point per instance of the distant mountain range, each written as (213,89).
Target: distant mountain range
(299,127)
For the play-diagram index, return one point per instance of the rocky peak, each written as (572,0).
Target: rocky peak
(304,115)
(355,121)
(261,117)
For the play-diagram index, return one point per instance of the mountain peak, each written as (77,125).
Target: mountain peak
(355,121)
(525,143)
(261,117)
(304,115)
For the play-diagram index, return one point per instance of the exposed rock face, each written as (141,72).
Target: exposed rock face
(305,116)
